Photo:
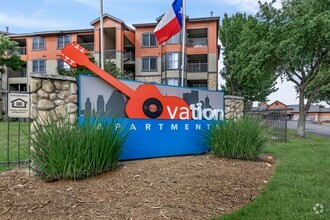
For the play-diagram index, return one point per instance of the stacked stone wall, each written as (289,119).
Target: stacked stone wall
(148,79)
(234,107)
(212,81)
(53,97)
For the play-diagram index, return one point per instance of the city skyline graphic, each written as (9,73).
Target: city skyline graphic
(109,102)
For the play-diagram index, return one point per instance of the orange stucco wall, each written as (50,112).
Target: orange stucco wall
(212,27)
(51,52)
(130,36)
(139,50)
(119,39)
(120,33)
(212,35)
(107,22)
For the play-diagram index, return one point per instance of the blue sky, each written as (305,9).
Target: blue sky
(26,16)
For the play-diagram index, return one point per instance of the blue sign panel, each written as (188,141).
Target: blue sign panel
(149,138)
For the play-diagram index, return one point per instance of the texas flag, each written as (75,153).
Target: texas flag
(171,22)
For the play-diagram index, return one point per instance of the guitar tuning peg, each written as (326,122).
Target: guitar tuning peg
(83,50)
(73,64)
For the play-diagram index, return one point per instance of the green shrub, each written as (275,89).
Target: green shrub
(65,151)
(241,139)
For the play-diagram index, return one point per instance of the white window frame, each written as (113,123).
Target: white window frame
(38,43)
(172,81)
(64,41)
(38,66)
(63,65)
(149,66)
(170,61)
(149,40)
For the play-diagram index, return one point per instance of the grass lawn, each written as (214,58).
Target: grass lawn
(13,143)
(301,180)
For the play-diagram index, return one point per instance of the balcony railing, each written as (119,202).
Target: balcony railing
(16,74)
(19,50)
(197,42)
(88,46)
(109,54)
(196,67)
(129,56)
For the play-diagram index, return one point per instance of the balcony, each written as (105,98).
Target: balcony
(19,50)
(129,56)
(196,67)
(88,46)
(197,42)
(110,54)
(17,74)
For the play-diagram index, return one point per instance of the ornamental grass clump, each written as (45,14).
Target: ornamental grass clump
(244,138)
(65,151)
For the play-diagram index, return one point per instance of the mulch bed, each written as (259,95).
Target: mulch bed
(189,187)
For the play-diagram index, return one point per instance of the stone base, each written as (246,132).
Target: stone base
(234,107)
(149,79)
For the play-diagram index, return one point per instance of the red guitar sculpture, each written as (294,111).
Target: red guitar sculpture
(145,102)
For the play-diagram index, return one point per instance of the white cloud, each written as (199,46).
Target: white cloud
(248,6)
(286,93)
(113,4)
(89,3)
(32,21)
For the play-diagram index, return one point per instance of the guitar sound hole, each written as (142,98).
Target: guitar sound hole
(152,108)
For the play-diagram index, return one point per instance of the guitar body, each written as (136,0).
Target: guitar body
(148,102)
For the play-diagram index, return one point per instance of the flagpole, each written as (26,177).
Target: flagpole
(101,35)
(183,42)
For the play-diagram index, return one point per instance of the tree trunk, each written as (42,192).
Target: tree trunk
(302,116)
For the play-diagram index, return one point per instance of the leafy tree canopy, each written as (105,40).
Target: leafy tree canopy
(12,61)
(292,42)
(300,33)
(109,66)
(246,49)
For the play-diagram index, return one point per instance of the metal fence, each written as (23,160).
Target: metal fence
(275,120)
(14,137)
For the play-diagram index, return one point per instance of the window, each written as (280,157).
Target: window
(149,40)
(38,43)
(63,40)
(174,39)
(149,64)
(39,66)
(173,81)
(172,61)
(62,65)
(198,84)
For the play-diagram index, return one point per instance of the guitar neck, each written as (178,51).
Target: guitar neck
(110,79)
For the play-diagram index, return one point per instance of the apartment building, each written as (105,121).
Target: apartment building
(133,50)
(162,63)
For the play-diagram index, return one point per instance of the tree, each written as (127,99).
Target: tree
(12,61)
(323,95)
(245,50)
(300,31)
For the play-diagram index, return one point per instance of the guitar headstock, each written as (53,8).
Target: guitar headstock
(74,54)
